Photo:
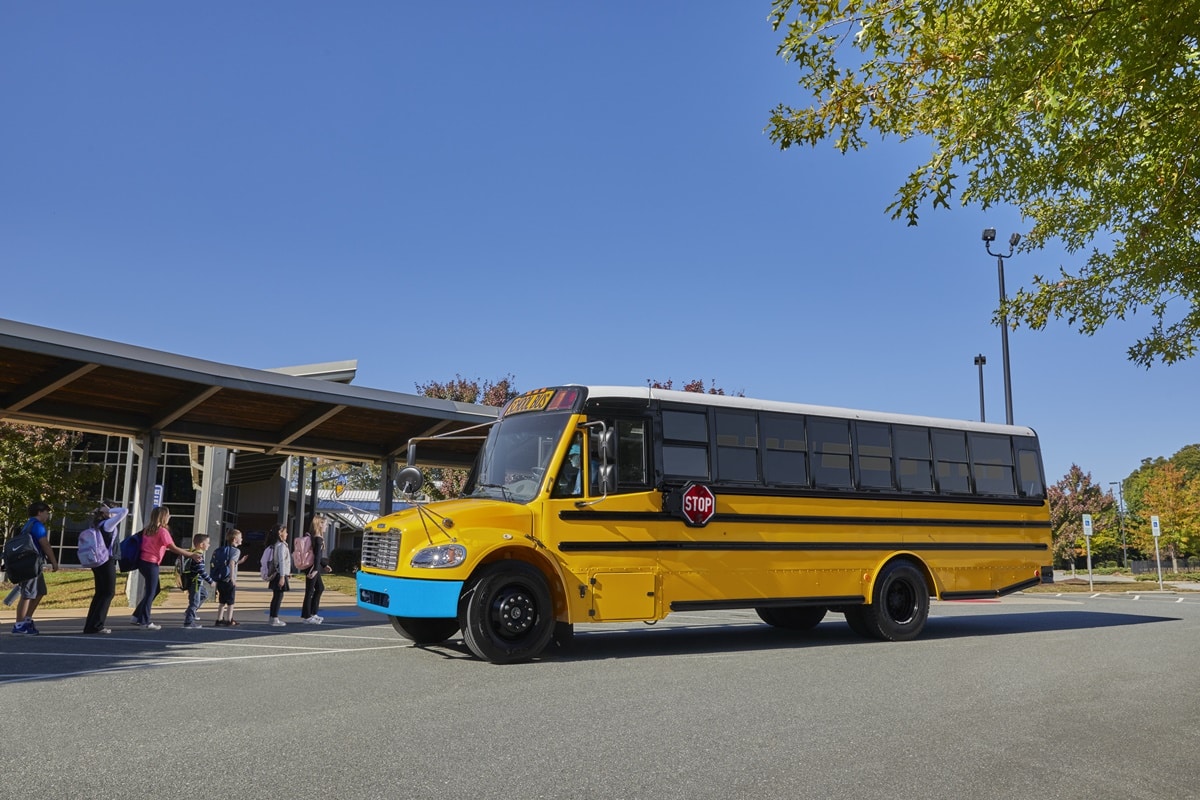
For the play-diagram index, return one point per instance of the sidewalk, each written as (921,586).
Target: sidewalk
(253,603)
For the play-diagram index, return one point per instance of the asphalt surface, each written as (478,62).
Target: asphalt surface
(1032,696)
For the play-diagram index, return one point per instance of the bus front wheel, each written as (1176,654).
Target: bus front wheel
(419,630)
(506,613)
(793,618)
(899,607)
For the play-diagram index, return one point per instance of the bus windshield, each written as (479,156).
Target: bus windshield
(515,457)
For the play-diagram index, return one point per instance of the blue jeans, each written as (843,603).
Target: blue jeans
(149,573)
(198,592)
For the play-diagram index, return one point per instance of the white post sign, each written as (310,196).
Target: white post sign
(1087,538)
(1154,529)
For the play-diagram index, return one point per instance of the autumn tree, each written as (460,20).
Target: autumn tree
(1079,114)
(1175,500)
(36,464)
(1071,497)
(696,386)
(441,484)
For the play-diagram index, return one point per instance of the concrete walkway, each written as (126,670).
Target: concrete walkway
(251,609)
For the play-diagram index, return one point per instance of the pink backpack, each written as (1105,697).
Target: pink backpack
(302,554)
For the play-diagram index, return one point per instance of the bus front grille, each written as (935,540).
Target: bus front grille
(381,550)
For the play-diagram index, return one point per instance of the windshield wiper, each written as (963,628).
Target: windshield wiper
(504,493)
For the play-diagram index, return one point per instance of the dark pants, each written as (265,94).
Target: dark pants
(106,586)
(278,586)
(313,589)
(149,573)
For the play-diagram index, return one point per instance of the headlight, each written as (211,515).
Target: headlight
(440,557)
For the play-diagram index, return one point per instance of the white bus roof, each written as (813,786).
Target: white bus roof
(747,403)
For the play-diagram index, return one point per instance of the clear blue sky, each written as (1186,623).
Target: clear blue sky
(567,192)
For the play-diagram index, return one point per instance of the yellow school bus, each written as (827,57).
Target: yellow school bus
(603,504)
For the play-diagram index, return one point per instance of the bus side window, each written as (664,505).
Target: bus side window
(569,482)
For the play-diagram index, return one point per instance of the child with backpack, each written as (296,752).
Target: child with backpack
(224,570)
(195,576)
(308,556)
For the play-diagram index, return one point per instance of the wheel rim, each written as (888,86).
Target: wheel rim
(514,611)
(901,603)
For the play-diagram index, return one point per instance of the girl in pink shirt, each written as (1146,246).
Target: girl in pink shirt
(156,541)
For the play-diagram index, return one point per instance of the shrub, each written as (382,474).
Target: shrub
(344,561)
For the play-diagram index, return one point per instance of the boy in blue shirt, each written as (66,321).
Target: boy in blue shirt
(34,589)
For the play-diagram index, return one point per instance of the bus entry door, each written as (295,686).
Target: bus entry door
(623,596)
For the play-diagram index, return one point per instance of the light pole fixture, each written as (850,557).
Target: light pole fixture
(980,360)
(1121,520)
(989,236)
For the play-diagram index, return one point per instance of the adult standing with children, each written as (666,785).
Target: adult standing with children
(314,586)
(279,567)
(156,541)
(96,546)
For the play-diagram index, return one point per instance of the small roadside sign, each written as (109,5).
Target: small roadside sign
(1154,529)
(1087,524)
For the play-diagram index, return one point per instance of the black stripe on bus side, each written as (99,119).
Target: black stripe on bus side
(1016,587)
(723,546)
(790,602)
(787,519)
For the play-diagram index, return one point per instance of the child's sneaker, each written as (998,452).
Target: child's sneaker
(20,627)
(221,623)
(276,622)
(193,625)
(153,626)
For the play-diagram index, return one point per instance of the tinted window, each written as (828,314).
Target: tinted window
(631,452)
(829,441)
(687,426)
(689,462)
(737,446)
(991,463)
(950,454)
(914,464)
(873,447)
(785,450)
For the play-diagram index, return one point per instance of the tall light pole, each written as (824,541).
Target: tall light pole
(989,236)
(1121,520)
(980,360)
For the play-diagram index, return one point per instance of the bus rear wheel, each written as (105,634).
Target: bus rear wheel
(899,607)
(421,630)
(793,618)
(506,613)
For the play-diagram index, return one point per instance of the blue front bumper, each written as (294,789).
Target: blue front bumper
(408,597)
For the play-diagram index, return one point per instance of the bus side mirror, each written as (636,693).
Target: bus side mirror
(608,445)
(606,479)
(410,480)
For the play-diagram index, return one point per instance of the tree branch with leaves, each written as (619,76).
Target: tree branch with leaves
(1080,114)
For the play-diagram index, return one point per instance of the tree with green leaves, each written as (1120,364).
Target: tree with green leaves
(37,464)
(1080,114)
(1074,495)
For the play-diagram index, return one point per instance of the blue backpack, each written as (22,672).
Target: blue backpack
(129,553)
(219,569)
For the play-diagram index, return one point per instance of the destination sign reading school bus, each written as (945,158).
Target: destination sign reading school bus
(542,400)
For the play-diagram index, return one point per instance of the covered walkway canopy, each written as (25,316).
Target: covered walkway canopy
(58,379)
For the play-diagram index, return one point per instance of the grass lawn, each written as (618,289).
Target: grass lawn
(72,588)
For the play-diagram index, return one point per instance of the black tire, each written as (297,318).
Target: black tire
(856,618)
(793,618)
(422,630)
(900,604)
(564,636)
(506,613)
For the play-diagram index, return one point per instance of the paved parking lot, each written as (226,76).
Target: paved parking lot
(1053,697)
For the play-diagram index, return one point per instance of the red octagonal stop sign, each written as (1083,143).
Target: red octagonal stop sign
(699,504)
